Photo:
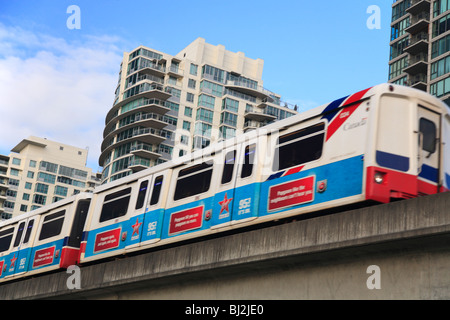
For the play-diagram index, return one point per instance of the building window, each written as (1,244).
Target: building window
(228,118)
(398,29)
(205,115)
(441,26)
(14,172)
(16,161)
(192,83)
(206,101)
(203,129)
(39,199)
(32,164)
(184,140)
(41,188)
(188,112)
(189,97)
(61,191)
(187,125)
(397,67)
(230,105)
(440,88)
(194,69)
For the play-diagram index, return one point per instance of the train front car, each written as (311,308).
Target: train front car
(408,150)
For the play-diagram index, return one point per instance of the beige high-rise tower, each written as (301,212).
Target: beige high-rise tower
(167,106)
(39,172)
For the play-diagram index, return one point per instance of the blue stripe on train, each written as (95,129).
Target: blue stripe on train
(343,179)
(392,161)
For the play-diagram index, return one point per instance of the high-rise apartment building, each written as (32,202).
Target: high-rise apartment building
(167,106)
(4,164)
(420,46)
(39,172)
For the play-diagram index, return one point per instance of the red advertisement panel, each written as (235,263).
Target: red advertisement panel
(43,257)
(107,240)
(186,220)
(291,193)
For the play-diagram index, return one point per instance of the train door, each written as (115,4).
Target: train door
(6,252)
(224,197)
(429,150)
(23,242)
(136,211)
(109,226)
(191,196)
(52,230)
(248,184)
(154,213)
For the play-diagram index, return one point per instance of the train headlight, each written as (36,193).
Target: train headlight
(379,177)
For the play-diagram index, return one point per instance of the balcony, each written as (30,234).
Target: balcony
(146,120)
(418,82)
(149,67)
(252,125)
(417,64)
(145,151)
(418,23)
(175,71)
(258,115)
(417,44)
(147,90)
(243,87)
(139,135)
(137,164)
(4,183)
(418,6)
(145,105)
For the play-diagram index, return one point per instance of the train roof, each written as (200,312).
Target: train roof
(276,126)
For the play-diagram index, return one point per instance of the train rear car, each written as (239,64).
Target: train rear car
(43,240)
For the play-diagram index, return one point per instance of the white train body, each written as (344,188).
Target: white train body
(387,142)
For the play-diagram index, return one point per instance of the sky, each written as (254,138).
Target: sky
(58,82)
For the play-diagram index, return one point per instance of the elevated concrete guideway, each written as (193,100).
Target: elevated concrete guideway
(326,257)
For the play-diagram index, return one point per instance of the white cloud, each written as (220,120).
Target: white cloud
(56,89)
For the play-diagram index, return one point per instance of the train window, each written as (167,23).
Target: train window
(52,225)
(230,159)
(156,190)
(249,159)
(299,147)
(193,181)
(28,232)
(428,130)
(19,234)
(5,239)
(115,205)
(141,195)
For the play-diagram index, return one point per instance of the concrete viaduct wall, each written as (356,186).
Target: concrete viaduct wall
(326,257)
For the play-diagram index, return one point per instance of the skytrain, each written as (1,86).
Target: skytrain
(381,144)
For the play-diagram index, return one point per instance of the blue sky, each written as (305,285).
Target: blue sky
(314,52)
